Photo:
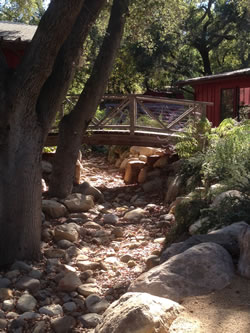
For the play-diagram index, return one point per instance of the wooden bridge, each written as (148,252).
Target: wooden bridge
(139,120)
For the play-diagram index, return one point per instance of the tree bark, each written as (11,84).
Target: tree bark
(22,134)
(244,261)
(73,126)
(206,61)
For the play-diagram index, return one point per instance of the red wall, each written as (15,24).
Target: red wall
(210,91)
(13,57)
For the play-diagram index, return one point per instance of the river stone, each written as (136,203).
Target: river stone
(86,189)
(225,195)
(4,283)
(226,237)
(199,270)
(51,310)
(3,324)
(5,293)
(110,219)
(26,303)
(88,289)
(77,202)
(69,307)
(28,283)
(53,208)
(135,214)
(8,305)
(63,324)
(66,232)
(96,304)
(69,282)
(139,312)
(90,320)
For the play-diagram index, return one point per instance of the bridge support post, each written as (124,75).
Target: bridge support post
(132,113)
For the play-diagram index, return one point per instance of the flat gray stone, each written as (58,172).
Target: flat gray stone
(199,270)
(51,310)
(28,283)
(63,325)
(90,320)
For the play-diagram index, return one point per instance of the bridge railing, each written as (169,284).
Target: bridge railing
(136,113)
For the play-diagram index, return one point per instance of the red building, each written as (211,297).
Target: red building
(230,93)
(14,39)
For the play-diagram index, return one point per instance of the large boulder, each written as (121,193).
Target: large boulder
(78,202)
(139,313)
(226,237)
(197,271)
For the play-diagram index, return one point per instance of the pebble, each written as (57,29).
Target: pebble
(8,305)
(28,283)
(51,310)
(4,283)
(126,258)
(26,303)
(69,307)
(3,324)
(88,289)
(64,244)
(110,219)
(63,325)
(5,293)
(96,304)
(90,320)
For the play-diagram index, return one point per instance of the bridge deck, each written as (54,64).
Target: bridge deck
(123,138)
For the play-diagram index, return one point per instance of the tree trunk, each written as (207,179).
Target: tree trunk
(244,261)
(20,195)
(206,61)
(74,125)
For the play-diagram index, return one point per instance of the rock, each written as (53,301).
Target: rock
(29,316)
(198,226)
(96,304)
(199,270)
(54,253)
(3,324)
(69,282)
(40,327)
(152,185)
(131,263)
(132,171)
(26,303)
(225,195)
(125,258)
(118,232)
(66,232)
(110,219)
(226,237)
(5,293)
(77,202)
(90,320)
(135,214)
(69,307)
(4,283)
(88,289)
(44,186)
(86,189)
(53,209)
(8,305)
(184,324)
(174,189)
(85,265)
(64,244)
(92,225)
(51,310)
(152,261)
(36,274)
(28,283)
(63,325)
(244,261)
(137,313)
(147,151)
(21,266)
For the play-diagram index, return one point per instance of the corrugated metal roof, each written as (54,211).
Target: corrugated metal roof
(245,71)
(10,31)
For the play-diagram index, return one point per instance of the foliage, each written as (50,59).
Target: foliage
(26,11)
(186,213)
(194,139)
(228,156)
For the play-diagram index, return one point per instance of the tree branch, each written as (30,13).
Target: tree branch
(52,93)
(38,61)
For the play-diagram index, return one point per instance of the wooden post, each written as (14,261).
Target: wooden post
(132,113)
